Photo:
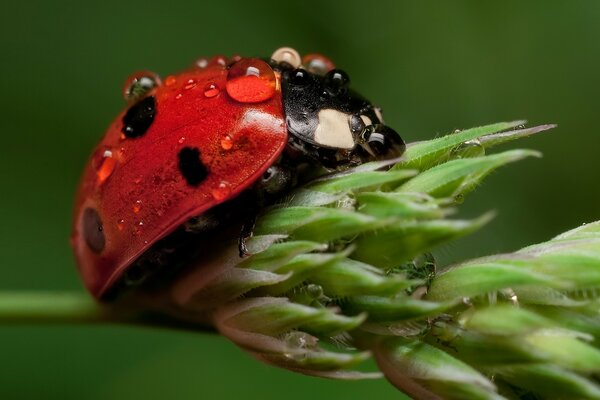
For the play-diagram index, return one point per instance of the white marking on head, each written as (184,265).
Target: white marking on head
(287,55)
(334,130)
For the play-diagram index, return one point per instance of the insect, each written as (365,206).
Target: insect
(213,143)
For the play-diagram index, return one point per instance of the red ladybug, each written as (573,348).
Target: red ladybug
(227,131)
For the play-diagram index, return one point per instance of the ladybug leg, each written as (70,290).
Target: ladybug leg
(245,234)
(277,180)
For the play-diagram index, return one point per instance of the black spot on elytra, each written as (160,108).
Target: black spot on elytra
(191,166)
(139,117)
(93,232)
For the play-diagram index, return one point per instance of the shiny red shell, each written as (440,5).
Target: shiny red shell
(135,185)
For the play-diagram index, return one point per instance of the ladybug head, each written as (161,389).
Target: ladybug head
(326,119)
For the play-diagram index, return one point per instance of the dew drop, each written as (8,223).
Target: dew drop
(202,63)
(137,206)
(227,143)
(218,60)
(181,140)
(211,90)
(317,64)
(190,84)
(139,85)
(251,80)
(222,191)
(468,149)
(179,95)
(170,80)
(104,163)
(121,225)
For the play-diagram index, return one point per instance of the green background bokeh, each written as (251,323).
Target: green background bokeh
(433,66)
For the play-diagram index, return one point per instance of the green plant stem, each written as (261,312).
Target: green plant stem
(51,307)
(41,307)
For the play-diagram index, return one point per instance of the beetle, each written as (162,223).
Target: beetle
(213,143)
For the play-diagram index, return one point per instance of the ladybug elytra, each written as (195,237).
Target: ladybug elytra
(213,143)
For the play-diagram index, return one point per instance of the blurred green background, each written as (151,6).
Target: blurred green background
(433,66)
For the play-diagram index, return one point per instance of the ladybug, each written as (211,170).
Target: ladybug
(211,144)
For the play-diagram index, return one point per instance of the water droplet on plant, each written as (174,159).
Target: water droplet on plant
(104,163)
(251,80)
(190,84)
(468,149)
(139,85)
(211,90)
(137,206)
(222,191)
(227,143)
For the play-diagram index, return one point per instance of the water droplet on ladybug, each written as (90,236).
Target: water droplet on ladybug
(218,60)
(178,96)
(104,163)
(202,63)
(222,191)
(227,143)
(468,149)
(170,80)
(181,140)
(251,80)
(190,84)
(139,85)
(211,90)
(317,64)
(121,225)
(137,206)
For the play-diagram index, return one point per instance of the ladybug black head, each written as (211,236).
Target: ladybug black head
(327,119)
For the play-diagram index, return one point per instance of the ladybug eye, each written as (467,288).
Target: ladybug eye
(287,55)
(336,80)
(93,231)
(139,85)
(357,125)
(382,142)
(139,117)
(300,77)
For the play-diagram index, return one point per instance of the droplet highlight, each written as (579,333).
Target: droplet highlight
(104,162)
(137,206)
(251,80)
(139,85)
(222,191)
(190,84)
(468,149)
(170,80)
(227,143)
(211,90)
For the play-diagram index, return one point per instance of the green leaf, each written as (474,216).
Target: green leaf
(393,245)
(458,177)
(423,155)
